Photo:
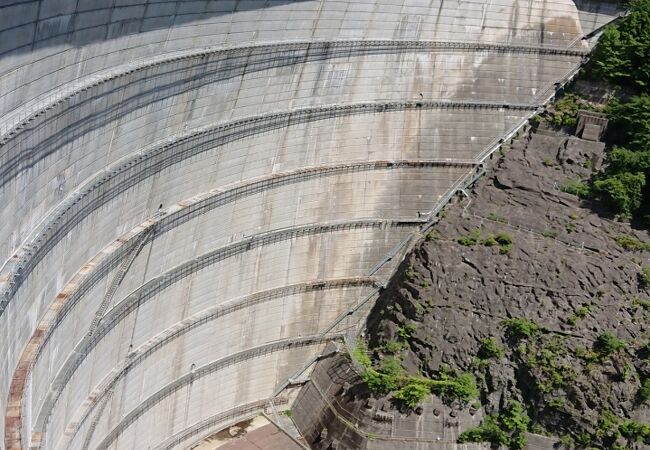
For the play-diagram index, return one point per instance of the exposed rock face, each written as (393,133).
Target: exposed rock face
(564,271)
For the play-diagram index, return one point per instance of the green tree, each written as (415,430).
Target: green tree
(489,349)
(622,192)
(623,52)
(508,428)
(607,343)
(450,387)
(413,393)
(517,329)
(629,123)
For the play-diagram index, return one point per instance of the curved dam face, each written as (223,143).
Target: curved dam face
(199,195)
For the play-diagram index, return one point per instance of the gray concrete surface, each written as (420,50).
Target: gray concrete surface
(331,409)
(185,181)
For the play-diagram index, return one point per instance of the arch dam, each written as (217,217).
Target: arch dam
(199,195)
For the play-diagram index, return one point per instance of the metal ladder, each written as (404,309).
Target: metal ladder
(98,415)
(118,278)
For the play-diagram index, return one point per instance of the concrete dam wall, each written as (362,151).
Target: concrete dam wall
(197,196)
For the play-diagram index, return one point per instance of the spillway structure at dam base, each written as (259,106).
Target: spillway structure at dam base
(201,197)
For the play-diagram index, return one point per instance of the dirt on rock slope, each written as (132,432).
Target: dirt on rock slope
(580,373)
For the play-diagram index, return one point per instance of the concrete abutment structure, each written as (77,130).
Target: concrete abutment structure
(199,195)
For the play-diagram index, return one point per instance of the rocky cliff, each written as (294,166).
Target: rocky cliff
(543,300)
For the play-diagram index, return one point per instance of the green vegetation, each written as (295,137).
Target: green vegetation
(451,387)
(582,311)
(497,218)
(393,347)
(548,162)
(627,372)
(548,357)
(570,227)
(545,357)
(607,426)
(388,376)
(631,130)
(644,390)
(622,52)
(576,187)
(518,329)
(471,239)
(583,439)
(410,272)
(508,428)
(490,241)
(406,331)
(644,277)
(621,58)
(490,349)
(566,442)
(622,192)
(390,366)
(432,236)
(645,304)
(631,243)
(413,392)
(549,234)
(380,382)
(360,353)
(607,343)
(634,431)
(566,111)
(579,313)
(505,242)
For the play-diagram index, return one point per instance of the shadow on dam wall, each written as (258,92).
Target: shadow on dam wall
(174,81)
(27,25)
(599,7)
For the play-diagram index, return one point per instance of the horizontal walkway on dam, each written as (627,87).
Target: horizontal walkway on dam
(223,133)
(70,212)
(154,286)
(126,173)
(174,332)
(206,370)
(16,121)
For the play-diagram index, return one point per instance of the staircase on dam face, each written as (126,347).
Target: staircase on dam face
(118,277)
(109,108)
(93,425)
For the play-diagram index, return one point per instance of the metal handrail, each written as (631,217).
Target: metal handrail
(160,155)
(202,371)
(137,355)
(21,117)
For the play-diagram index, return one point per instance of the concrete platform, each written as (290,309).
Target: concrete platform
(256,434)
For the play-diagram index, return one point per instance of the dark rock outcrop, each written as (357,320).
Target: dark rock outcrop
(564,271)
